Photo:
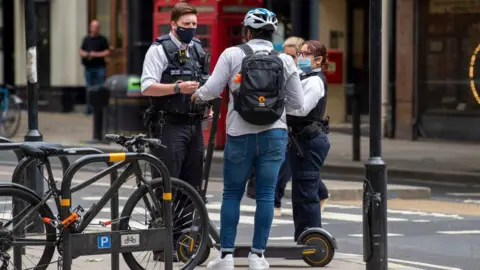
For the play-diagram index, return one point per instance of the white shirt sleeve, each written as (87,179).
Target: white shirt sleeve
(313,91)
(154,64)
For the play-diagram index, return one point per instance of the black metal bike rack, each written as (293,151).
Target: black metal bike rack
(88,243)
(114,204)
(24,162)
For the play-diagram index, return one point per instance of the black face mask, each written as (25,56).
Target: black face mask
(185,34)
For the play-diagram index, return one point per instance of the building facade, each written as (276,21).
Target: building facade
(433,60)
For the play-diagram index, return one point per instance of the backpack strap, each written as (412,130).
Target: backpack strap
(246,49)
(274,52)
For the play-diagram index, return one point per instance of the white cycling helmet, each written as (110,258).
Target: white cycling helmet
(261,18)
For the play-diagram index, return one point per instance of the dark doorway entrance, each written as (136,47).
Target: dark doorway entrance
(357,50)
(7,40)
(42,12)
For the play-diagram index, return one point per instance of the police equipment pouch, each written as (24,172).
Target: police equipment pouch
(182,56)
(294,142)
(149,116)
(325,124)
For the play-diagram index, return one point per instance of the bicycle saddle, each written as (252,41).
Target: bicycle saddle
(40,149)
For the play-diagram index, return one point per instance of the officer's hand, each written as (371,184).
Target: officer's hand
(188,87)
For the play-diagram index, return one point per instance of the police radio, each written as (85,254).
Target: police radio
(182,56)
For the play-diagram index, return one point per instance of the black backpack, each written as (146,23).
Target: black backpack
(260,100)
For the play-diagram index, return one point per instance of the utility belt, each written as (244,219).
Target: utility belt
(297,134)
(153,116)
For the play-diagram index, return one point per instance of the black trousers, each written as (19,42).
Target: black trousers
(183,157)
(307,189)
(184,153)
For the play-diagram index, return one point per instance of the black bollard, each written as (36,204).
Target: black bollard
(375,182)
(34,178)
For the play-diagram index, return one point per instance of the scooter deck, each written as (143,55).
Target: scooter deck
(279,250)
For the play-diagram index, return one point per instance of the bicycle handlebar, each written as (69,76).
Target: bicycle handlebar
(136,140)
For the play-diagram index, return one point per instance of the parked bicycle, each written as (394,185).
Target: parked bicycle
(10,111)
(28,208)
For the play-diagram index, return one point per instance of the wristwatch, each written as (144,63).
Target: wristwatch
(176,88)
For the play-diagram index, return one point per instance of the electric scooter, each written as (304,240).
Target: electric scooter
(316,246)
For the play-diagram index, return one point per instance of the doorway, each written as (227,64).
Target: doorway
(358,51)
(42,13)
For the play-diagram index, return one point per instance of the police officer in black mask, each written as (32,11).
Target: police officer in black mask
(172,71)
(174,67)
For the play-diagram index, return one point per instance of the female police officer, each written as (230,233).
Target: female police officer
(309,142)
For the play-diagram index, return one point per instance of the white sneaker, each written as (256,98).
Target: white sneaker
(223,264)
(257,263)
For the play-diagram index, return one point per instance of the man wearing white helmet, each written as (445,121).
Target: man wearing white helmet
(256,137)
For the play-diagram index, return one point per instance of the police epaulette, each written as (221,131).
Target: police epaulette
(197,40)
(158,40)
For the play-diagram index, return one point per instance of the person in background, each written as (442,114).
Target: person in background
(93,51)
(291,47)
(309,143)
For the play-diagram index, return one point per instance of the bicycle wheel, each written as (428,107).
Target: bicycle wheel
(190,220)
(10,118)
(19,200)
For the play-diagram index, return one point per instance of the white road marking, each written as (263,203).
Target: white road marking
(460,232)
(325,215)
(281,238)
(249,220)
(424,264)
(389,234)
(418,213)
(472,201)
(421,220)
(464,194)
(98,198)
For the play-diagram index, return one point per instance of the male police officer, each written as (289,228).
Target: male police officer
(172,69)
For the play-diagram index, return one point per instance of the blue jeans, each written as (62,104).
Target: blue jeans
(93,76)
(265,152)
(307,189)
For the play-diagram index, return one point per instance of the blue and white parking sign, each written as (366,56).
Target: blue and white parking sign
(103,241)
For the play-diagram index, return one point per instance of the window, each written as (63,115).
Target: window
(119,22)
(449,34)
(1,26)
(102,14)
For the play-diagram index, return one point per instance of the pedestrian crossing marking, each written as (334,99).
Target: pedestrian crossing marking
(388,234)
(250,220)
(460,232)
(325,215)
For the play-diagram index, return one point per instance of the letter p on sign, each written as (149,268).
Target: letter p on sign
(103,241)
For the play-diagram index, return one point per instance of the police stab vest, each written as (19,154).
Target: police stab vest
(179,68)
(316,115)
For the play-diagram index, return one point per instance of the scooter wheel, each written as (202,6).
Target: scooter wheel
(185,252)
(320,251)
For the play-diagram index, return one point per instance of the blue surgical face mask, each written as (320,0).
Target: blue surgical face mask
(305,64)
